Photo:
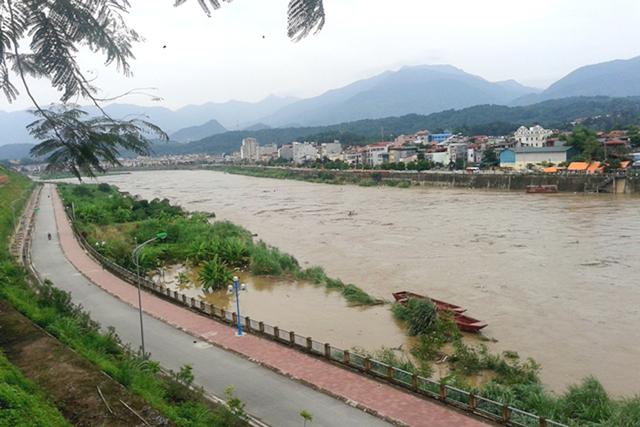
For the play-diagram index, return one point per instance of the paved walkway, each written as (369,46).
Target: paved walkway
(384,400)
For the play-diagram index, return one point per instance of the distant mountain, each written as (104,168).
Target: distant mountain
(15,151)
(421,89)
(194,133)
(231,115)
(257,126)
(601,112)
(618,78)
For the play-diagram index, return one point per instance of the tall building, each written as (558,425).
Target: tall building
(331,150)
(286,152)
(532,137)
(249,150)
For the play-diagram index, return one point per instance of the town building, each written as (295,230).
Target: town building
(331,150)
(457,151)
(353,156)
(304,152)
(438,157)
(438,138)
(267,152)
(286,152)
(519,158)
(376,154)
(535,136)
(249,150)
(401,154)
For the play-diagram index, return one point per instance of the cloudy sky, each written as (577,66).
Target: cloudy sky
(226,57)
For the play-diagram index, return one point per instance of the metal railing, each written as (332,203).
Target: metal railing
(449,395)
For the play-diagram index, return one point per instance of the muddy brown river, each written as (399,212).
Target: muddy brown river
(557,277)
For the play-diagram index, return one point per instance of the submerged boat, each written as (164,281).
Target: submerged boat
(403,296)
(464,323)
(537,189)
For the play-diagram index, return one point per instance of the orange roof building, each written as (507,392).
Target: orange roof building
(578,167)
(595,167)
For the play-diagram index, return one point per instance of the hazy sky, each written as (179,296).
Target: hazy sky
(226,57)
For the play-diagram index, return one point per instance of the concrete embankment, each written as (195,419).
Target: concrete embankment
(573,183)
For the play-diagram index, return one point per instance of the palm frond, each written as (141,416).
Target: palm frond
(304,17)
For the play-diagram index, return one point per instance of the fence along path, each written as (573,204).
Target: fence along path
(300,357)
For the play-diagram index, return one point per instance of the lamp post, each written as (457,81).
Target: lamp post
(237,287)
(135,255)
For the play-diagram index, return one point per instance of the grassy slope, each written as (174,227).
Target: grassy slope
(21,402)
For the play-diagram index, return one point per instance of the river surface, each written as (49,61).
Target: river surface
(557,277)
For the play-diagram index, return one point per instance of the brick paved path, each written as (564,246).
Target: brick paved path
(368,394)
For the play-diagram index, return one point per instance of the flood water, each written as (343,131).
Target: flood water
(557,277)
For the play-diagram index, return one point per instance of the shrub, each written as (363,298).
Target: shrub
(215,275)
(419,314)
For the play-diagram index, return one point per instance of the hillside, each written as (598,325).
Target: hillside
(194,133)
(419,90)
(483,119)
(618,78)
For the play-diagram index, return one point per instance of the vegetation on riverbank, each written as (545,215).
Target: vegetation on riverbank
(53,310)
(512,381)
(113,222)
(22,403)
(318,176)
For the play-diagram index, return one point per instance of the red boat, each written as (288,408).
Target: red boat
(403,296)
(468,324)
(541,189)
(465,323)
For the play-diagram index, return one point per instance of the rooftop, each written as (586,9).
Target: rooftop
(561,149)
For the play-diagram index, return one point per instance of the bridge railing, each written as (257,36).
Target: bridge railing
(449,395)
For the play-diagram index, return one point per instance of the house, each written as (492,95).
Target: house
(400,154)
(532,137)
(304,152)
(438,138)
(376,154)
(521,157)
(578,167)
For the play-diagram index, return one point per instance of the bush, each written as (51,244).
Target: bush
(215,275)
(419,314)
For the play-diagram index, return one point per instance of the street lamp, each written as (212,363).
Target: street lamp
(237,287)
(135,255)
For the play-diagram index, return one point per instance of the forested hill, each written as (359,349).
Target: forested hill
(599,112)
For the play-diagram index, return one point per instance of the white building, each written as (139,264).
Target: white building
(532,137)
(331,150)
(438,157)
(286,152)
(304,152)
(376,154)
(249,150)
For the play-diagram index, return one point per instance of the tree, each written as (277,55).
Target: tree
(54,30)
(586,142)
(489,159)
(634,136)
(306,416)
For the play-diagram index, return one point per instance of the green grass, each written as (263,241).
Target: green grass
(22,403)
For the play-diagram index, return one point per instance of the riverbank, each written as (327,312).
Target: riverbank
(568,183)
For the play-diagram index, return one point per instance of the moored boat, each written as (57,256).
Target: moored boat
(468,324)
(403,296)
(541,189)
(465,323)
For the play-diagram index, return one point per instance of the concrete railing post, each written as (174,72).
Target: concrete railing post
(223,315)
(261,327)
(247,323)
(390,373)
(367,365)
(414,382)
(276,332)
(543,422)
(473,402)
(346,358)
(234,317)
(443,392)
(506,414)
(327,350)
(193,302)
(309,344)
(292,338)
